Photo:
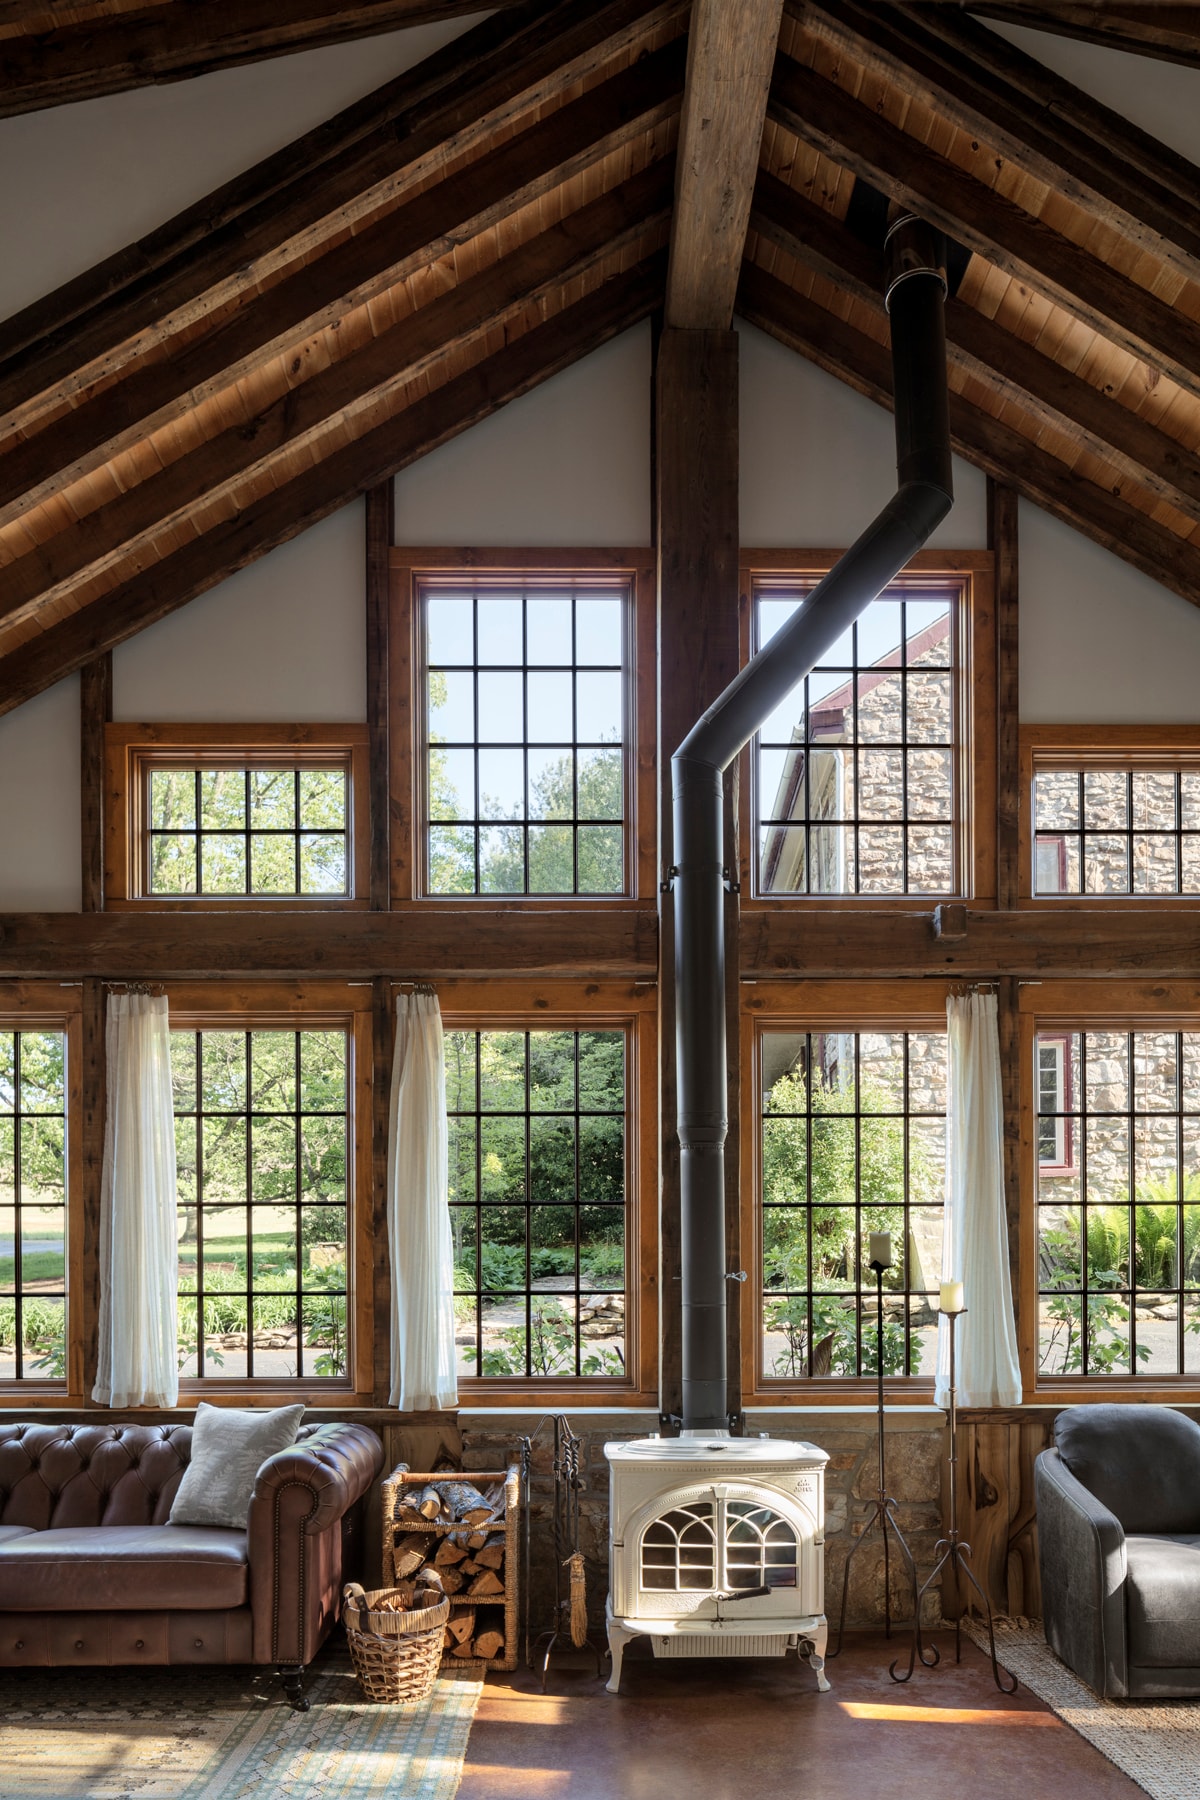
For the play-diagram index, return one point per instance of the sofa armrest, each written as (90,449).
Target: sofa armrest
(294,1536)
(1081,1553)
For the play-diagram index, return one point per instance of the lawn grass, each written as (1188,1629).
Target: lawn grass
(36,1265)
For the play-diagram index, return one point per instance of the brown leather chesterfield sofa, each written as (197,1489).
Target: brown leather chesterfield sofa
(92,1573)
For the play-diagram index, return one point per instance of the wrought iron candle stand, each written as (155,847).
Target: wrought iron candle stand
(952,1554)
(882,1512)
(568,1484)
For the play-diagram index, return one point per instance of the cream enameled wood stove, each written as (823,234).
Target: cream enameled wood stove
(716,1548)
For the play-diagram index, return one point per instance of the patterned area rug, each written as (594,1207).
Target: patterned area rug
(1155,1742)
(226,1734)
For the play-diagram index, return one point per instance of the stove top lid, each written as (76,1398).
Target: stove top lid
(715,1449)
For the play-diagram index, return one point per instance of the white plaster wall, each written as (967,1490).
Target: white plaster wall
(567,464)
(818,460)
(39,803)
(283,639)
(80,182)
(1100,642)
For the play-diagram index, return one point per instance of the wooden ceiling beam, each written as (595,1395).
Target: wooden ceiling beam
(568,141)
(316,187)
(978,437)
(1170,33)
(340,478)
(347,388)
(109,54)
(827,119)
(1120,176)
(418,942)
(1049,393)
(731,53)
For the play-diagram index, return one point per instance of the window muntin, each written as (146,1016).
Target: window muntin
(33,1206)
(1118,1248)
(262,1133)
(856,773)
(537,1157)
(852,1140)
(526,734)
(1116,831)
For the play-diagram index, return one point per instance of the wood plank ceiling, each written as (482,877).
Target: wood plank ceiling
(505,207)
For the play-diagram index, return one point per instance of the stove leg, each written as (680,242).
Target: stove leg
(618,1637)
(813,1649)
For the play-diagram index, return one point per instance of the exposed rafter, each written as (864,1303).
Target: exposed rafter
(1050,394)
(53,53)
(344,475)
(1170,33)
(823,115)
(1119,176)
(731,52)
(988,442)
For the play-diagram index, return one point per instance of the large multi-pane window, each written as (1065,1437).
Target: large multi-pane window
(1118,1189)
(1116,831)
(856,772)
(526,732)
(537,1142)
(852,1142)
(33,1205)
(262,1134)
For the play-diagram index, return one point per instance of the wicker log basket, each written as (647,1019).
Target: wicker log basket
(396,1655)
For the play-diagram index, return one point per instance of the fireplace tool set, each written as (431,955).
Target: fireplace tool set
(570,1596)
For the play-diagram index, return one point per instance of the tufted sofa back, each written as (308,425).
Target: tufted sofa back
(54,1477)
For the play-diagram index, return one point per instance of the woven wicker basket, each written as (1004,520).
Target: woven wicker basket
(395,1654)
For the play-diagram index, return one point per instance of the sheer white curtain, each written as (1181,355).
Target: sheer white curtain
(975,1239)
(138,1361)
(419,1238)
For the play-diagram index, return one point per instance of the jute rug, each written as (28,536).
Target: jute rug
(226,1734)
(1155,1742)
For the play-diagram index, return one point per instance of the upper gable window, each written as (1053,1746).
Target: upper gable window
(1116,831)
(220,817)
(857,772)
(525,733)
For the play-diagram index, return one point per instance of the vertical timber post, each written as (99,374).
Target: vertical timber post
(1003,543)
(380,523)
(696,534)
(95,712)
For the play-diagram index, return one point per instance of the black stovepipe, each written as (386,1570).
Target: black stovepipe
(915,289)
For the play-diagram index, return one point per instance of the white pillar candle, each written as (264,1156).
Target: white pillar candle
(880,1250)
(951,1298)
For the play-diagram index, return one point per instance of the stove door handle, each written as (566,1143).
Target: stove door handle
(744,1594)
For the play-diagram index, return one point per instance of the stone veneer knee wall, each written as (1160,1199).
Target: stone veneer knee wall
(916,1451)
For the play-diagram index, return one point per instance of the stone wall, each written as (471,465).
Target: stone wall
(915,1463)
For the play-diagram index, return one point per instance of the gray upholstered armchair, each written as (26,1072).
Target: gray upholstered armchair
(1118,1505)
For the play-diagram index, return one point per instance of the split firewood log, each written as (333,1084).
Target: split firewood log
(463,1500)
(408,1561)
(464,1650)
(486,1582)
(470,1566)
(461,1625)
(476,1540)
(430,1503)
(448,1552)
(490,1557)
(453,1580)
(489,1644)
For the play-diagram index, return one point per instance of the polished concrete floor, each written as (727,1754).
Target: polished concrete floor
(760,1731)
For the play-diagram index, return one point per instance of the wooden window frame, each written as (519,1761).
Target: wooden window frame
(1072,1006)
(1162,748)
(266,1005)
(56,1006)
(510,1005)
(806,1006)
(130,751)
(406,764)
(975,701)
